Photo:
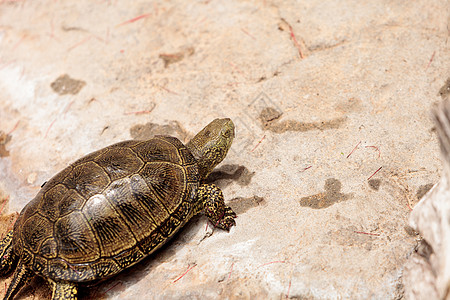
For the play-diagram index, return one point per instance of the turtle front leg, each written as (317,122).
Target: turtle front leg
(7,257)
(218,213)
(64,290)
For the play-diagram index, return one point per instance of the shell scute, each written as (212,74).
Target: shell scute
(129,257)
(51,199)
(129,206)
(169,226)
(166,183)
(146,198)
(75,239)
(183,211)
(35,230)
(109,228)
(70,202)
(152,242)
(119,162)
(187,157)
(87,179)
(105,267)
(157,149)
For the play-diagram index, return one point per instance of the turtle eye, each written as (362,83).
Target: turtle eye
(226,133)
(207,133)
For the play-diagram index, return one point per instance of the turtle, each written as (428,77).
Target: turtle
(113,207)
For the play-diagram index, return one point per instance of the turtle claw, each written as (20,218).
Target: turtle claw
(226,224)
(227,221)
(229,212)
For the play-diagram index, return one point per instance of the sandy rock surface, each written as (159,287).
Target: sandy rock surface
(334,142)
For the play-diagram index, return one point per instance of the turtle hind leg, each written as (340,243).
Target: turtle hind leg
(218,213)
(64,290)
(21,276)
(7,257)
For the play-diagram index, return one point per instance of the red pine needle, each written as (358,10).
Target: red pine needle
(231,270)
(48,129)
(272,262)
(431,59)
(258,143)
(79,43)
(4,203)
(117,283)
(134,19)
(289,289)
(185,273)
(374,173)
(353,150)
(309,167)
(247,33)
(294,39)
(15,127)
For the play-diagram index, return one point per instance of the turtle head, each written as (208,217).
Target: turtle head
(211,144)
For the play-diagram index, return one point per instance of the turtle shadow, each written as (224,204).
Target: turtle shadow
(227,174)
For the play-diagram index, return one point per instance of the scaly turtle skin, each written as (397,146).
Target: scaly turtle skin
(113,207)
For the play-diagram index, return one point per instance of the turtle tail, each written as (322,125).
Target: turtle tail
(7,257)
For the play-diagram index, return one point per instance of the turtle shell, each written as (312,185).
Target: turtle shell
(108,210)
